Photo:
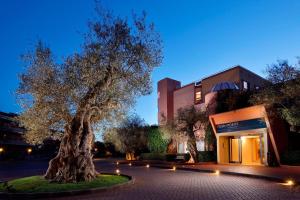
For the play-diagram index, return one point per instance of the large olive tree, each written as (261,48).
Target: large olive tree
(89,87)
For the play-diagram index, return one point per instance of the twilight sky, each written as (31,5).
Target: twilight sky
(200,37)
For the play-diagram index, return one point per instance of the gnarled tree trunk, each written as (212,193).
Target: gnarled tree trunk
(192,148)
(74,161)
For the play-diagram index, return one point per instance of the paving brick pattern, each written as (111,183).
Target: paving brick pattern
(154,183)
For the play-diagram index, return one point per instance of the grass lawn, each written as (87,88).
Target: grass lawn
(35,184)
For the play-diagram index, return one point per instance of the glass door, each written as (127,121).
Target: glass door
(235,150)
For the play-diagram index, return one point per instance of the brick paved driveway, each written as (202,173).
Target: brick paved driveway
(154,183)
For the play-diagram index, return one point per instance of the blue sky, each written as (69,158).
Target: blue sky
(200,37)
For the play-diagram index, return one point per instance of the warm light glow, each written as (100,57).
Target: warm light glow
(1,150)
(129,164)
(217,172)
(117,163)
(117,171)
(174,168)
(29,150)
(147,165)
(290,182)
(96,149)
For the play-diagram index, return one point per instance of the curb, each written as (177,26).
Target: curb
(269,178)
(68,193)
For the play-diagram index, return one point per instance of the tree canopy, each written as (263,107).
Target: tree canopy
(113,67)
(282,94)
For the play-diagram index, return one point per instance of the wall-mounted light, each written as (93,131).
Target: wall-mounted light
(1,149)
(147,165)
(129,164)
(174,168)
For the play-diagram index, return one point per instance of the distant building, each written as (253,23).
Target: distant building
(12,143)
(244,136)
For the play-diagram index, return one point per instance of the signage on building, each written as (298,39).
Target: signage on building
(241,125)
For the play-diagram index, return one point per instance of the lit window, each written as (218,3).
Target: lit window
(198,96)
(245,85)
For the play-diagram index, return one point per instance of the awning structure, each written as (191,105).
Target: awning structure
(250,118)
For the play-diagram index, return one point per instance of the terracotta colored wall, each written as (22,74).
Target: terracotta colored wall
(236,75)
(231,75)
(165,88)
(184,97)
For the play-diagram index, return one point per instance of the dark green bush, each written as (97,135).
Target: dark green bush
(171,157)
(153,156)
(207,156)
(291,158)
(174,157)
(156,143)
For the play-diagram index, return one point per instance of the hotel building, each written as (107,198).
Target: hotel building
(244,136)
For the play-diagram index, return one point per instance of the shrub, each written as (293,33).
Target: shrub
(153,156)
(207,156)
(291,157)
(156,143)
(174,157)
(171,157)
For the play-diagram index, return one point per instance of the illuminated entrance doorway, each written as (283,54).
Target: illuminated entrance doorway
(247,150)
(245,136)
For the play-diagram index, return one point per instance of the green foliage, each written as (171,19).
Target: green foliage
(173,157)
(189,120)
(98,82)
(281,96)
(291,157)
(210,137)
(156,142)
(129,137)
(207,156)
(153,156)
(39,184)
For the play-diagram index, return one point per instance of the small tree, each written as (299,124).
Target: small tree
(130,137)
(96,84)
(189,120)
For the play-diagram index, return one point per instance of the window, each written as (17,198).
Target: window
(198,96)
(245,85)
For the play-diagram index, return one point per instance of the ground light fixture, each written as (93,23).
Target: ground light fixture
(147,165)
(289,182)
(174,168)
(217,172)
(29,150)
(118,171)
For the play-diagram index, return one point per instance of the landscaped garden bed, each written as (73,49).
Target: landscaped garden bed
(38,186)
